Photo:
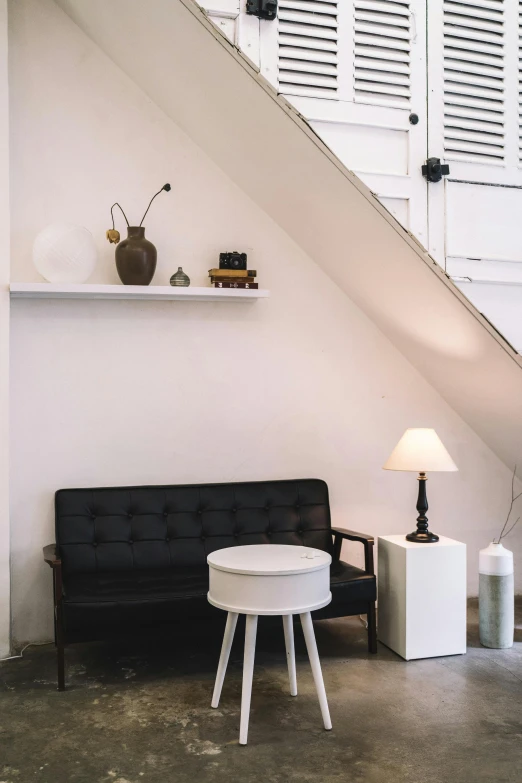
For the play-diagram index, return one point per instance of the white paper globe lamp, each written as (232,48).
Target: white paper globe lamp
(64,253)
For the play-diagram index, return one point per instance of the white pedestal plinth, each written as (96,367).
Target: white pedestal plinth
(422,597)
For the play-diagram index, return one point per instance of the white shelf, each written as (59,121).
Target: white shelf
(141,292)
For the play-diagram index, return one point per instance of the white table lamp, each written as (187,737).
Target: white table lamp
(420,450)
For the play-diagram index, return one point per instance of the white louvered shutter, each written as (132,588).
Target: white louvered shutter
(382,46)
(307,48)
(356,50)
(474,80)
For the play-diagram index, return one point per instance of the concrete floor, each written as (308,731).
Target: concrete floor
(141,711)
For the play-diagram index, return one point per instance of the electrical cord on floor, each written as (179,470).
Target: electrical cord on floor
(363,621)
(21,653)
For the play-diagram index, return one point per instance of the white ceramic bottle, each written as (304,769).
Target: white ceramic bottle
(496,597)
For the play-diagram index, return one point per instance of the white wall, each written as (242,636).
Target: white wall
(4,338)
(229,110)
(110,393)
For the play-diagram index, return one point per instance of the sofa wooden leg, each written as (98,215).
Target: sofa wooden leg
(60,657)
(372,628)
(60,647)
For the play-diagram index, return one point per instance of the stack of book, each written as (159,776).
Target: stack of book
(233,278)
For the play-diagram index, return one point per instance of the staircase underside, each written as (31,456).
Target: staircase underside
(214,93)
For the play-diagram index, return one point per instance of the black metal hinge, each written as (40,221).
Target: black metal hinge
(264,9)
(434,170)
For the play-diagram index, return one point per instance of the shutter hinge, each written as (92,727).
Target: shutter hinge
(434,170)
(264,9)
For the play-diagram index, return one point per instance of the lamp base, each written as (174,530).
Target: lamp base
(422,537)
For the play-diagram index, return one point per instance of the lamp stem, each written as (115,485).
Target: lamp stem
(422,504)
(422,535)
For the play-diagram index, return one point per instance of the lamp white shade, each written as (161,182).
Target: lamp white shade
(420,450)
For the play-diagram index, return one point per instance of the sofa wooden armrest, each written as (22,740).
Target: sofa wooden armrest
(363,538)
(50,556)
(367,541)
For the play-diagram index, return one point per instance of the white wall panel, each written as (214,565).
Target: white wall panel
(483,221)
(217,7)
(227,26)
(502,304)
(399,208)
(225,15)
(371,150)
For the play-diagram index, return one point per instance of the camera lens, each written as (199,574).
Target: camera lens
(232,260)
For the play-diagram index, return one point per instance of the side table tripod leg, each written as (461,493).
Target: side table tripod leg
(311,646)
(290,652)
(228,638)
(248,671)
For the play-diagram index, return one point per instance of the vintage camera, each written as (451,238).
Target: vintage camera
(233,260)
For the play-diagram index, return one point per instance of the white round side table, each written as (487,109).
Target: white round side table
(269,579)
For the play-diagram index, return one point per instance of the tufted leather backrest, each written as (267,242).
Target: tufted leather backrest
(124,528)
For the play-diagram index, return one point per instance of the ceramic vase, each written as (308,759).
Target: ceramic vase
(496,597)
(136,258)
(180,278)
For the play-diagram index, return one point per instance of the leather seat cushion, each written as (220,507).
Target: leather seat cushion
(141,599)
(162,596)
(136,586)
(351,584)
(180,584)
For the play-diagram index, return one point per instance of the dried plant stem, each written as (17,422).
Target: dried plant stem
(122,212)
(503,532)
(508,531)
(150,202)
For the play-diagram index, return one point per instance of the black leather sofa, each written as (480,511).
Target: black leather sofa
(132,558)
